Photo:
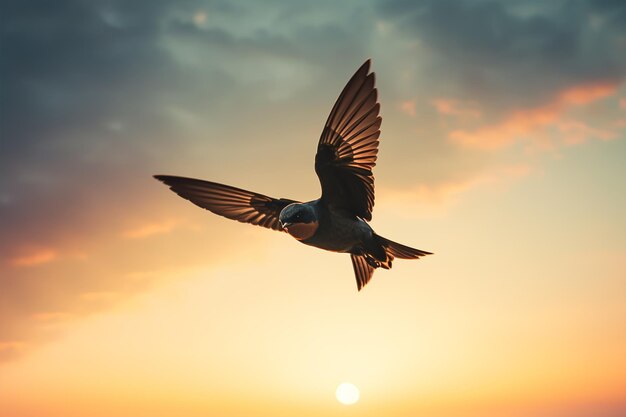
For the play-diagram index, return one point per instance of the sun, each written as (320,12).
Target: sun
(347,393)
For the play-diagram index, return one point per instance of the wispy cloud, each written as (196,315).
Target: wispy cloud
(443,192)
(453,107)
(99,295)
(34,258)
(408,107)
(151,229)
(585,94)
(51,316)
(575,132)
(10,349)
(521,124)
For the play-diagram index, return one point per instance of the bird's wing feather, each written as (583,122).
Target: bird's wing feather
(233,203)
(362,270)
(347,149)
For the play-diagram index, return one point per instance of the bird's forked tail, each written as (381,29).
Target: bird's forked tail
(397,250)
(365,264)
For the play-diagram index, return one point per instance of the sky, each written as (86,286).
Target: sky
(502,151)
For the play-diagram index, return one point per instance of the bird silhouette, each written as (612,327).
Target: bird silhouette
(337,221)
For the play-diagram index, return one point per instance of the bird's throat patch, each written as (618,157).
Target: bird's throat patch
(302,231)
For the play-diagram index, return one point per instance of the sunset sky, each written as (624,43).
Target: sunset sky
(503,151)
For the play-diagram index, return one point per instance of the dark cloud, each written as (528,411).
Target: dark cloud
(514,53)
(73,86)
(76,72)
(64,66)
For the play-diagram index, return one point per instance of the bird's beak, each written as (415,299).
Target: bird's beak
(285,225)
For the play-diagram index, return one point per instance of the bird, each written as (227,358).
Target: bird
(338,220)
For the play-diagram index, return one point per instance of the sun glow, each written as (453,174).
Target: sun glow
(347,393)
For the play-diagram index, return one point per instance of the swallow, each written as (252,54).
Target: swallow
(338,220)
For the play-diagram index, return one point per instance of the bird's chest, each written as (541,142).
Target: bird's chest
(303,231)
(336,234)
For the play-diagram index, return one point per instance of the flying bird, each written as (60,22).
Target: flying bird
(337,221)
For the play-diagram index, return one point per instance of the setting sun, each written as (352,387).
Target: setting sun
(347,393)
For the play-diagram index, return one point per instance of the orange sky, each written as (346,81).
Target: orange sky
(502,151)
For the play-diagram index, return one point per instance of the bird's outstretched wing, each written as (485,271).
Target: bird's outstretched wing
(233,203)
(346,152)
(362,270)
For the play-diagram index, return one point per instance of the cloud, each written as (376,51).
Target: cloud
(150,229)
(11,349)
(408,107)
(51,316)
(585,94)
(444,192)
(452,107)
(509,55)
(37,257)
(199,18)
(99,296)
(525,123)
(575,132)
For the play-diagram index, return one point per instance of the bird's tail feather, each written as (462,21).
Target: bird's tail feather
(365,264)
(397,250)
(363,271)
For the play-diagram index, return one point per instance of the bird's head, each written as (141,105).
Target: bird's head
(299,220)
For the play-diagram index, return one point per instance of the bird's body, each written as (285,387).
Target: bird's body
(337,221)
(336,231)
